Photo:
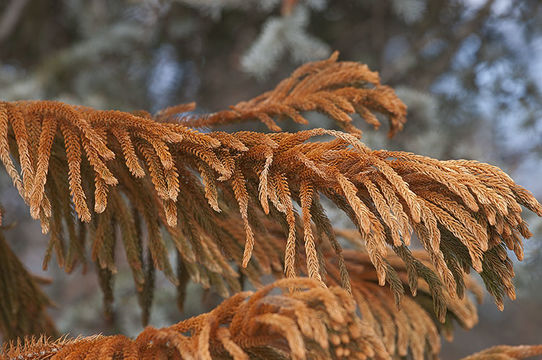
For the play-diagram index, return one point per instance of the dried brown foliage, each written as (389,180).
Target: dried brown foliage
(503,352)
(336,89)
(407,324)
(311,322)
(225,202)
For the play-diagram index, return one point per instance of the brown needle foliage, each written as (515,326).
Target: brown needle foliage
(336,89)
(226,202)
(503,352)
(407,324)
(311,322)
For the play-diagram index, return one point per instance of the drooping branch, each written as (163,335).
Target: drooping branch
(131,170)
(86,173)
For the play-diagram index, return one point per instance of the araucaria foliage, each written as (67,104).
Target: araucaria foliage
(242,205)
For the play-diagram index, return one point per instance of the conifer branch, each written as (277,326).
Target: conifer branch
(503,352)
(406,323)
(336,89)
(310,323)
(84,173)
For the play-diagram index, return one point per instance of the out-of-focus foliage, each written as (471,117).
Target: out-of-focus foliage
(22,303)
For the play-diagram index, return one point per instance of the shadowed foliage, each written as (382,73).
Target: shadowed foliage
(22,304)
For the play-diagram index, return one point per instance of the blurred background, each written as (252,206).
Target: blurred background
(470,72)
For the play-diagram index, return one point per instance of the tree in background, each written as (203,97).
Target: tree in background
(457,65)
